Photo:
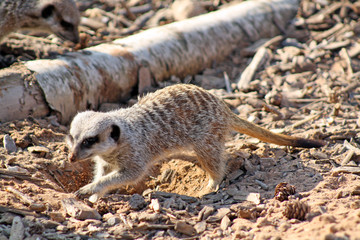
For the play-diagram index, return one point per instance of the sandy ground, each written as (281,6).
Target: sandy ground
(307,88)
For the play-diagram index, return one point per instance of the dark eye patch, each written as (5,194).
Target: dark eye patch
(66,25)
(47,11)
(88,142)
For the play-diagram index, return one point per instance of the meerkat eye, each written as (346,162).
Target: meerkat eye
(115,133)
(47,11)
(66,25)
(88,142)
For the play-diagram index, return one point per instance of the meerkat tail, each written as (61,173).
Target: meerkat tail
(253,130)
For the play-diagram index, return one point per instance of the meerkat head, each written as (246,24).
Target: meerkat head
(92,134)
(57,16)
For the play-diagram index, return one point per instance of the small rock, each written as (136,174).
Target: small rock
(205,212)
(185,228)
(79,210)
(9,144)
(200,227)
(57,217)
(169,202)
(17,169)
(225,223)
(49,223)
(107,216)
(137,202)
(155,205)
(7,218)
(148,217)
(113,221)
(62,228)
(17,229)
(318,154)
(221,212)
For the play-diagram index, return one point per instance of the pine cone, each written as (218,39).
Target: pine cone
(283,191)
(296,209)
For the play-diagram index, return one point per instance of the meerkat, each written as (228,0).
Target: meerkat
(125,143)
(56,16)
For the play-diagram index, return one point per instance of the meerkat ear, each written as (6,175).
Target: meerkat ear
(115,133)
(47,11)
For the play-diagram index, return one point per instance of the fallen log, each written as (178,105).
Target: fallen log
(108,72)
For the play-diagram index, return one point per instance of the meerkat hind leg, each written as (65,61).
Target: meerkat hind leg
(213,162)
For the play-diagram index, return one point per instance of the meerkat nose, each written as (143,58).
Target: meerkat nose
(72,157)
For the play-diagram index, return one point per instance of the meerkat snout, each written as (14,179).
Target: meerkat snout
(60,17)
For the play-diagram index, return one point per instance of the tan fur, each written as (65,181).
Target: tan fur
(176,118)
(56,16)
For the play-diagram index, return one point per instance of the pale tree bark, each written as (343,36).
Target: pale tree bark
(107,72)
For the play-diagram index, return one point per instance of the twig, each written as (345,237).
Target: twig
(319,37)
(262,185)
(347,158)
(20,175)
(239,95)
(346,169)
(22,212)
(299,123)
(38,207)
(260,58)
(351,86)
(272,109)
(351,147)
(344,54)
(130,14)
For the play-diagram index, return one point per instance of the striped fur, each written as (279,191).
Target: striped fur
(176,118)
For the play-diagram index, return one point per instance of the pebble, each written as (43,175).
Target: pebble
(17,229)
(225,223)
(9,144)
(185,228)
(137,202)
(200,227)
(113,221)
(57,217)
(205,212)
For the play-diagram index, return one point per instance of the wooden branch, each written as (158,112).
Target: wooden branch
(107,73)
(37,207)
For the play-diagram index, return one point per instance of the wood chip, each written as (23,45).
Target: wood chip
(79,210)
(247,75)
(37,207)
(346,169)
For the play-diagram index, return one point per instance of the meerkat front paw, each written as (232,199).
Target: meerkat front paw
(85,190)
